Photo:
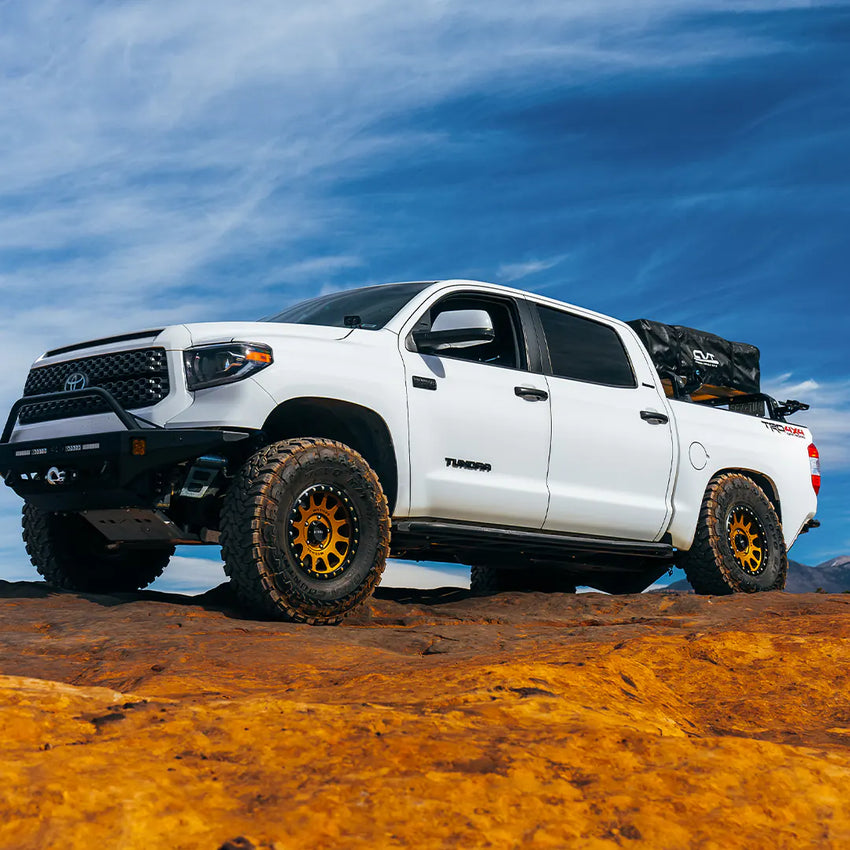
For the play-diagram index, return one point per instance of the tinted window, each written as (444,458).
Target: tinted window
(584,350)
(374,305)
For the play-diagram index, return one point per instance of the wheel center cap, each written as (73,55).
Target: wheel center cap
(317,532)
(741,542)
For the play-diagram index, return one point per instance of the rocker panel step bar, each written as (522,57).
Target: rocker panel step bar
(417,534)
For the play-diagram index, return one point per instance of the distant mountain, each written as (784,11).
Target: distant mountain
(831,576)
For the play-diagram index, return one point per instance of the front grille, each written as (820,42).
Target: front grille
(137,378)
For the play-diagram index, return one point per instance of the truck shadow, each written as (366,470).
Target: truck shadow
(220,599)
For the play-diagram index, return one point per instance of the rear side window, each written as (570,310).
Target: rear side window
(584,350)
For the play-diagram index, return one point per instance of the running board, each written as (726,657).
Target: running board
(431,537)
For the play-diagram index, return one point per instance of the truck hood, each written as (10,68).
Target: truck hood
(179,337)
(208,332)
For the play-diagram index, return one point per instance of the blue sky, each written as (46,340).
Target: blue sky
(164,162)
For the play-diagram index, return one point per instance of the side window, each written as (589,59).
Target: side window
(584,350)
(497,317)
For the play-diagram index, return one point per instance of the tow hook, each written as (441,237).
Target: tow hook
(55,475)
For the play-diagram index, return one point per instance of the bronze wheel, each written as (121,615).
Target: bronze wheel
(746,539)
(323,531)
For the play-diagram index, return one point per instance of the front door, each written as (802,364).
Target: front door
(479,420)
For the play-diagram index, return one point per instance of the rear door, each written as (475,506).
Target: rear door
(612,441)
(479,420)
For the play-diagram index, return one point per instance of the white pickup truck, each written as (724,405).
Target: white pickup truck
(444,421)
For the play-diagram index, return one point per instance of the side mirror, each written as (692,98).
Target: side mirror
(455,329)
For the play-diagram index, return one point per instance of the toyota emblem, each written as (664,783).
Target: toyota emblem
(76,381)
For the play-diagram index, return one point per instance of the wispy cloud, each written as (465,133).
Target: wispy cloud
(192,575)
(828,418)
(154,152)
(510,272)
(147,142)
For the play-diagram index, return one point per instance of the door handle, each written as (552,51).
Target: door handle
(531,394)
(654,417)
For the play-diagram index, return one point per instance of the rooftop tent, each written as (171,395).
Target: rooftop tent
(709,366)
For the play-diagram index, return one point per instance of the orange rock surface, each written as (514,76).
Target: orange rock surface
(428,720)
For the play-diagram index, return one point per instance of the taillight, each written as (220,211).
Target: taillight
(814,464)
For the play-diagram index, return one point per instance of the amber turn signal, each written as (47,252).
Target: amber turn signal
(258,356)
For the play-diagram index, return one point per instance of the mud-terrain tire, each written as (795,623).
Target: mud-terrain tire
(487,581)
(70,553)
(738,547)
(305,531)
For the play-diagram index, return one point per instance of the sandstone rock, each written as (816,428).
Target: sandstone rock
(660,720)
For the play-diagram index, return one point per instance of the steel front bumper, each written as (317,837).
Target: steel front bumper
(123,468)
(114,469)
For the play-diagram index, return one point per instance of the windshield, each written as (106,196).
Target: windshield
(370,307)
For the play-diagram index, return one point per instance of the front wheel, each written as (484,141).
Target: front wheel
(739,546)
(305,531)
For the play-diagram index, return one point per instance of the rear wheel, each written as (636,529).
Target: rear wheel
(487,580)
(70,553)
(305,531)
(739,546)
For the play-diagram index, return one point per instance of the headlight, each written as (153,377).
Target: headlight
(223,363)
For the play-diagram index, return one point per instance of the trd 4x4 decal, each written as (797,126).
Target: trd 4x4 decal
(779,428)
